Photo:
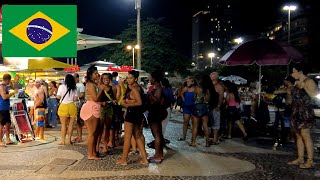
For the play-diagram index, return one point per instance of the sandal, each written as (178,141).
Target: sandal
(155,161)
(296,162)
(3,145)
(144,163)
(61,144)
(307,165)
(10,143)
(121,163)
(94,158)
(76,140)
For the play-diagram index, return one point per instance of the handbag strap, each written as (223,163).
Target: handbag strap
(108,95)
(64,96)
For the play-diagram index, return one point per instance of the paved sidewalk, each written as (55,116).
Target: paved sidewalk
(231,159)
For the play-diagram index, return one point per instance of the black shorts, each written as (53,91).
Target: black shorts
(5,117)
(134,115)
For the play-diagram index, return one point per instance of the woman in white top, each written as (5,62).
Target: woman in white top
(67,93)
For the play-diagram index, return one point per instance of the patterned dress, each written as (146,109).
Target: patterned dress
(303,114)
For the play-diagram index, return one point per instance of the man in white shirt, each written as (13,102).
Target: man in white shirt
(80,91)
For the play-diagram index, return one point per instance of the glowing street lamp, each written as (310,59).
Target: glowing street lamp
(129,47)
(289,8)
(238,40)
(211,55)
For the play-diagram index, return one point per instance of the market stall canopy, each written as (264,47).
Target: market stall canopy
(35,63)
(85,41)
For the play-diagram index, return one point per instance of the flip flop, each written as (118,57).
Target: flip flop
(3,145)
(11,143)
(76,140)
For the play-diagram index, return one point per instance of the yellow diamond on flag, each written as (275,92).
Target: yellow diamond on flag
(39,31)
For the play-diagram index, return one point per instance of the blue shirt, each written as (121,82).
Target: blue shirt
(4,104)
(115,82)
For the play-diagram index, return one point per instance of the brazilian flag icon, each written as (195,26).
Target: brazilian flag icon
(39,31)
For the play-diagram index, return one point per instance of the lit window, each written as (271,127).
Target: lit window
(211,19)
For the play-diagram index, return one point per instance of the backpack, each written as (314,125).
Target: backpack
(144,100)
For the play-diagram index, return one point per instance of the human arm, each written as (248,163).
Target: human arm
(3,93)
(280,91)
(135,101)
(182,93)
(310,87)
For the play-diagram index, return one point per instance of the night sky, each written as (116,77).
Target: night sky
(108,18)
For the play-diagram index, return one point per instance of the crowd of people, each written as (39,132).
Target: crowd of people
(110,106)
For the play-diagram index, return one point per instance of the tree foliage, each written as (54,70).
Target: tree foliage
(158,49)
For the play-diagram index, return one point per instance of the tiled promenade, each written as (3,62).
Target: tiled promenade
(231,159)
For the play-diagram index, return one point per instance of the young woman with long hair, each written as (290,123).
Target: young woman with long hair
(107,99)
(67,93)
(132,124)
(188,98)
(204,94)
(90,111)
(302,119)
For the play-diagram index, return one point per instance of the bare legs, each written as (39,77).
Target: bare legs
(195,124)
(129,130)
(240,125)
(91,124)
(186,119)
(158,137)
(304,141)
(66,128)
(7,127)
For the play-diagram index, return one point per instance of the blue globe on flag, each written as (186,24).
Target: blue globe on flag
(39,31)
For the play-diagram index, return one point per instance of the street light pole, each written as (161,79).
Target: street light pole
(137,47)
(138,8)
(132,58)
(211,55)
(289,8)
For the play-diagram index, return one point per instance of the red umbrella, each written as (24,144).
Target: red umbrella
(261,52)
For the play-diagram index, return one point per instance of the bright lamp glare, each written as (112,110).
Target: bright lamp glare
(211,55)
(289,7)
(318,96)
(129,47)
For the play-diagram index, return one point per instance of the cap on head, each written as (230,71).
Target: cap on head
(39,81)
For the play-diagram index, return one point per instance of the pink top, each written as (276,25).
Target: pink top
(232,102)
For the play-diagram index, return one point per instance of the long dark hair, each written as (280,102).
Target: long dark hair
(54,84)
(232,88)
(206,85)
(90,71)
(70,82)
